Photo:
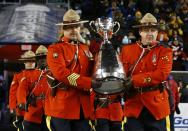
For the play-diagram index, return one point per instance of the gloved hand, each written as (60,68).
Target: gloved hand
(80,38)
(12,115)
(21,107)
(13,112)
(128,83)
(129,88)
(96,83)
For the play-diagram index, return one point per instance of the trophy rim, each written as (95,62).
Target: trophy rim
(118,90)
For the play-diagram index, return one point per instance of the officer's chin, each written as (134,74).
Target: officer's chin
(149,41)
(73,38)
(146,43)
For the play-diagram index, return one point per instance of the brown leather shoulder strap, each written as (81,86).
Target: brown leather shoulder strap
(137,61)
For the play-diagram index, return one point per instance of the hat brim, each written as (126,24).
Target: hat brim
(38,55)
(73,23)
(146,25)
(27,59)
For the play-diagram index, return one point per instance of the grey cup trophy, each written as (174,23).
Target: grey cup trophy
(108,67)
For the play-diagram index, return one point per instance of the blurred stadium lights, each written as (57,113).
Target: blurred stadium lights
(10,1)
(32,23)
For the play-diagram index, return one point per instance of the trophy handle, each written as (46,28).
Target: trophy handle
(118,25)
(91,23)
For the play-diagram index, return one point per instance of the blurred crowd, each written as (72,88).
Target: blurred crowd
(172,14)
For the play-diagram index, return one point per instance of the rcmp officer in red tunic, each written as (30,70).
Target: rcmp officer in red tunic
(69,60)
(26,57)
(31,92)
(13,101)
(15,93)
(147,65)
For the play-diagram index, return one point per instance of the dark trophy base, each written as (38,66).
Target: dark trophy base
(110,87)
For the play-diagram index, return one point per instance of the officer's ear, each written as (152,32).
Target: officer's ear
(140,30)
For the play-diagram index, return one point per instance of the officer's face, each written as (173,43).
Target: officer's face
(72,32)
(41,62)
(148,35)
(29,65)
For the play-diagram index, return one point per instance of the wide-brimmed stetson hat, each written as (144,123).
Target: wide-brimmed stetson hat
(41,51)
(148,20)
(71,17)
(28,56)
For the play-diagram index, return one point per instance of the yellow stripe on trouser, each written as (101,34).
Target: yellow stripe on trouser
(72,79)
(15,124)
(92,125)
(23,126)
(48,119)
(167,123)
(123,123)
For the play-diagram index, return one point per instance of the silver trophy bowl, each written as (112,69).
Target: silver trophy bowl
(103,25)
(108,66)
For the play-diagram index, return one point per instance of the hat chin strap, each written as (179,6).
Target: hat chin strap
(149,45)
(73,41)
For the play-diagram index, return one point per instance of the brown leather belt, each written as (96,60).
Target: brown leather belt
(150,88)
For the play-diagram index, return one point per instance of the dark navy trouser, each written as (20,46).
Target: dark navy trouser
(60,124)
(106,125)
(31,126)
(146,122)
(172,121)
(18,123)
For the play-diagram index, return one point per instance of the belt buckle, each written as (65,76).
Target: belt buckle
(140,90)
